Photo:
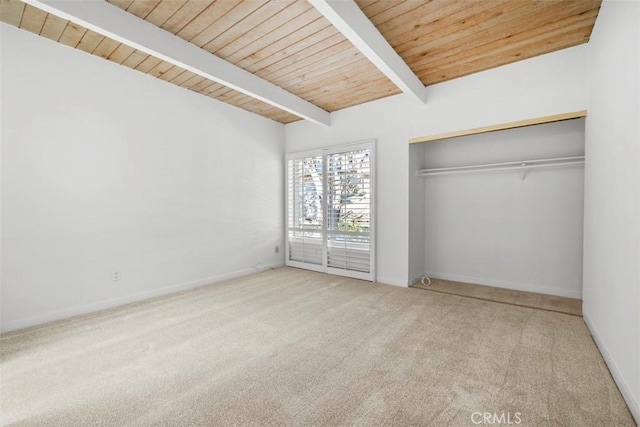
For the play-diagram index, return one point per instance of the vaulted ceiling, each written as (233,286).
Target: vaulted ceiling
(293,59)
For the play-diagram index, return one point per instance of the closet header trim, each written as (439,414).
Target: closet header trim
(502,126)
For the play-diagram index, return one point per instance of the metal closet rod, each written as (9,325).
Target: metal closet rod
(519,165)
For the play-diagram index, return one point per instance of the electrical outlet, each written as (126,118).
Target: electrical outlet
(115,276)
(277,249)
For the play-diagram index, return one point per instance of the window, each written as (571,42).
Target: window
(330,210)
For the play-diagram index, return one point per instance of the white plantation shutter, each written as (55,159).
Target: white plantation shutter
(330,201)
(305,210)
(349,210)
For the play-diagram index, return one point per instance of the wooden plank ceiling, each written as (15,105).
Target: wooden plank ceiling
(288,42)
(442,40)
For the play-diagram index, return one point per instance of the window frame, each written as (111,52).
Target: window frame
(324,153)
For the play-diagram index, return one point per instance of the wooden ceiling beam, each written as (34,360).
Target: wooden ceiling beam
(347,17)
(113,22)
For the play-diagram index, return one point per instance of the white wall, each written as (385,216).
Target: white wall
(550,84)
(497,229)
(612,194)
(104,168)
(417,222)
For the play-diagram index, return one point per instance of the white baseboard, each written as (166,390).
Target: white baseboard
(391,281)
(634,406)
(569,293)
(115,302)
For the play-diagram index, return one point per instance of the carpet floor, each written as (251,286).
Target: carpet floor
(292,347)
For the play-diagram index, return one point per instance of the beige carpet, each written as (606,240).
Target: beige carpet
(289,347)
(506,296)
